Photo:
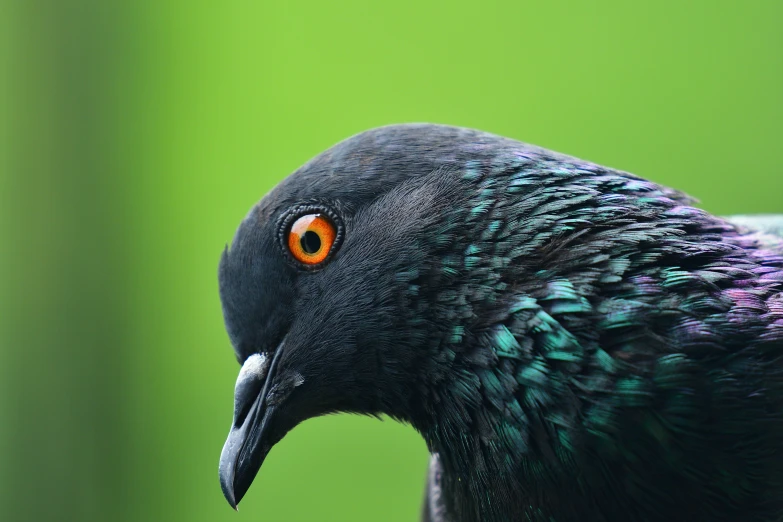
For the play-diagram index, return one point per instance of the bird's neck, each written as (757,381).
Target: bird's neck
(469,490)
(514,422)
(487,451)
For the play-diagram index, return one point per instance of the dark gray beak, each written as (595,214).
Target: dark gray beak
(248,441)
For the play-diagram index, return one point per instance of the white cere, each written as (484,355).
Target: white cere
(255,368)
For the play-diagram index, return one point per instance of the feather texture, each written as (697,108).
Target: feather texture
(573,342)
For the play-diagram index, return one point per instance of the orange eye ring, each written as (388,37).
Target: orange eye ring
(311,238)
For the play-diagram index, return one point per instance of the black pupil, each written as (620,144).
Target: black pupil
(311,242)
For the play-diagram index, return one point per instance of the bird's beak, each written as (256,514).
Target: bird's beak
(249,440)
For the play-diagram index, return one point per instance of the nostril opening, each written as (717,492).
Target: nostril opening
(240,416)
(245,396)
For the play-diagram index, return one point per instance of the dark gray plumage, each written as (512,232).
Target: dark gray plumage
(572,342)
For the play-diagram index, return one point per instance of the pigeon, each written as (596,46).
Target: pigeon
(572,342)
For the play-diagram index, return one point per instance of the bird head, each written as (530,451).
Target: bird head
(327,286)
(497,297)
(386,275)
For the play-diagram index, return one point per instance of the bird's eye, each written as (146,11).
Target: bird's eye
(310,234)
(310,238)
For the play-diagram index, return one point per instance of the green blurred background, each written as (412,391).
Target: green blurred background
(134,136)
